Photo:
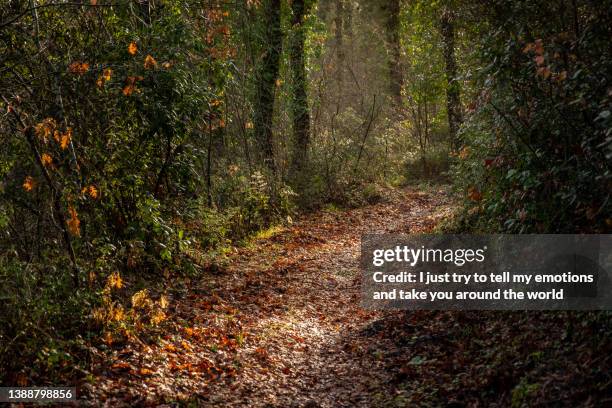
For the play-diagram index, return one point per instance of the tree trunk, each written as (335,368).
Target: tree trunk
(300,111)
(396,79)
(453,91)
(339,37)
(266,82)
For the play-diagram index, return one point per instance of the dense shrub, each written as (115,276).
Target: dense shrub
(538,142)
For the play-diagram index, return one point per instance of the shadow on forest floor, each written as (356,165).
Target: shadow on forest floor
(281,326)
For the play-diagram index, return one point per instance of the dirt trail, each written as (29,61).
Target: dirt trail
(280,326)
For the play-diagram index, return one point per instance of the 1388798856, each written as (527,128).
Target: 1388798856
(37,394)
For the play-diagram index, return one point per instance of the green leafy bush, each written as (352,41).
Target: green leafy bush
(537,142)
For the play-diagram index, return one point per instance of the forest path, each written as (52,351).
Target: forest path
(281,326)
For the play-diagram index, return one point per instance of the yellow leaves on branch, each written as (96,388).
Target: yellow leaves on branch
(158,316)
(92,191)
(141,300)
(163,302)
(73,223)
(132,48)
(45,128)
(149,62)
(78,67)
(28,183)
(66,138)
(107,74)
(105,77)
(46,159)
(114,281)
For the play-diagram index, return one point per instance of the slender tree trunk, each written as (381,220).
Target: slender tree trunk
(339,37)
(266,82)
(209,166)
(396,80)
(453,90)
(301,113)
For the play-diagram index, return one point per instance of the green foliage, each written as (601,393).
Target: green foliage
(522,392)
(41,320)
(434,164)
(537,155)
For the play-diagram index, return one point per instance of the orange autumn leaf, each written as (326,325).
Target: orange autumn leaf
(28,183)
(158,317)
(107,74)
(66,138)
(129,89)
(108,339)
(121,365)
(46,159)
(474,194)
(78,68)
(44,129)
(132,48)
(145,371)
(130,85)
(92,191)
(74,224)
(149,62)
(114,281)
(22,380)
